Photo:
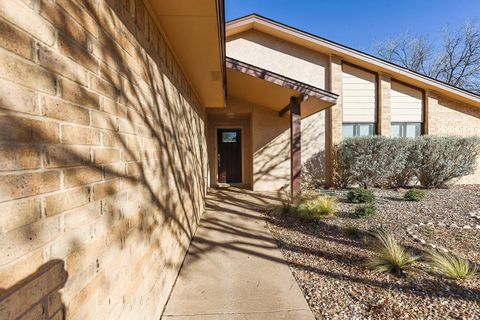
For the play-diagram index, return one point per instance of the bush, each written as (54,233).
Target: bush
(365,211)
(414,195)
(383,162)
(351,231)
(437,160)
(451,266)
(389,255)
(360,195)
(318,208)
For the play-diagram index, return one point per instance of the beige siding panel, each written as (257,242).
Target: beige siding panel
(358,95)
(406,103)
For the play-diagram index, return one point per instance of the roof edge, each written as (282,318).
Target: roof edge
(256,18)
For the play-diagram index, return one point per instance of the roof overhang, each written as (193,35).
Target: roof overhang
(272,90)
(195,30)
(347,54)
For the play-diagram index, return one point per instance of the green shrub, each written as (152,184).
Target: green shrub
(451,266)
(389,255)
(365,211)
(360,195)
(438,160)
(351,230)
(318,208)
(414,195)
(384,162)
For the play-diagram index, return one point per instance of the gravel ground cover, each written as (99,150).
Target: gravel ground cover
(327,260)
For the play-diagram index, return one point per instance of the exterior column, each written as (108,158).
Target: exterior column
(334,117)
(295,146)
(384,105)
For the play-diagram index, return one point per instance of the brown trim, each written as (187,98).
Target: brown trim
(425,110)
(220,6)
(295,146)
(281,80)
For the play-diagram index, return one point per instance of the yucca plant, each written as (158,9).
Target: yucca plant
(451,266)
(389,256)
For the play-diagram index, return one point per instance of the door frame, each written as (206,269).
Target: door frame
(242,146)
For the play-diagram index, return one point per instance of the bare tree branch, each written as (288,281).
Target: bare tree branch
(456,61)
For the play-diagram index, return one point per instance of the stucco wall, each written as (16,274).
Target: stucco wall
(102,161)
(267,154)
(285,58)
(450,118)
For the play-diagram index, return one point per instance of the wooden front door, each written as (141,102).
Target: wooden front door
(229,155)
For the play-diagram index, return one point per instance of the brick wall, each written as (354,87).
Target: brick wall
(450,118)
(102,158)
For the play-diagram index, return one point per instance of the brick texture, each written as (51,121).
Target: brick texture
(96,203)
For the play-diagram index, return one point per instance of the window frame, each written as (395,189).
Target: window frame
(356,128)
(403,127)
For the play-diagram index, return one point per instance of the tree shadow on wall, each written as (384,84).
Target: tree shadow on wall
(145,143)
(37,296)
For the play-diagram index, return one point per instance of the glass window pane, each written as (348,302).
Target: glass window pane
(412,130)
(395,130)
(348,131)
(229,137)
(365,129)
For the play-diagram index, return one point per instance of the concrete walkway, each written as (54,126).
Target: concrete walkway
(233,269)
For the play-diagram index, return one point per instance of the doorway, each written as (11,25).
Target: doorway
(229,156)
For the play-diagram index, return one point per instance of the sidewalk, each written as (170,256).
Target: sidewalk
(233,269)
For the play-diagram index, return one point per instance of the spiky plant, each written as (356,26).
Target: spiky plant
(451,266)
(318,208)
(389,256)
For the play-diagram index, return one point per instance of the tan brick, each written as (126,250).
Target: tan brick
(126,126)
(62,110)
(111,76)
(28,20)
(17,98)
(81,176)
(103,87)
(14,69)
(32,292)
(86,293)
(86,256)
(107,188)
(19,157)
(102,155)
(80,15)
(62,65)
(79,95)
(35,313)
(15,214)
(113,139)
(20,269)
(62,21)
(15,40)
(113,107)
(54,303)
(114,170)
(83,215)
(28,184)
(60,315)
(64,156)
(104,121)
(134,168)
(107,51)
(77,54)
(80,135)
(66,200)
(28,130)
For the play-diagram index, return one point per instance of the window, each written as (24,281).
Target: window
(406,129)
(229,137)
(358,129)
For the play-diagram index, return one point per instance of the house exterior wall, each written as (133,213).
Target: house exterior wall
(102,161)
(285,58)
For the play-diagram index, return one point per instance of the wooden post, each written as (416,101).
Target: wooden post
(295,146)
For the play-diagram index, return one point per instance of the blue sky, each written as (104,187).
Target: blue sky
(362,23)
